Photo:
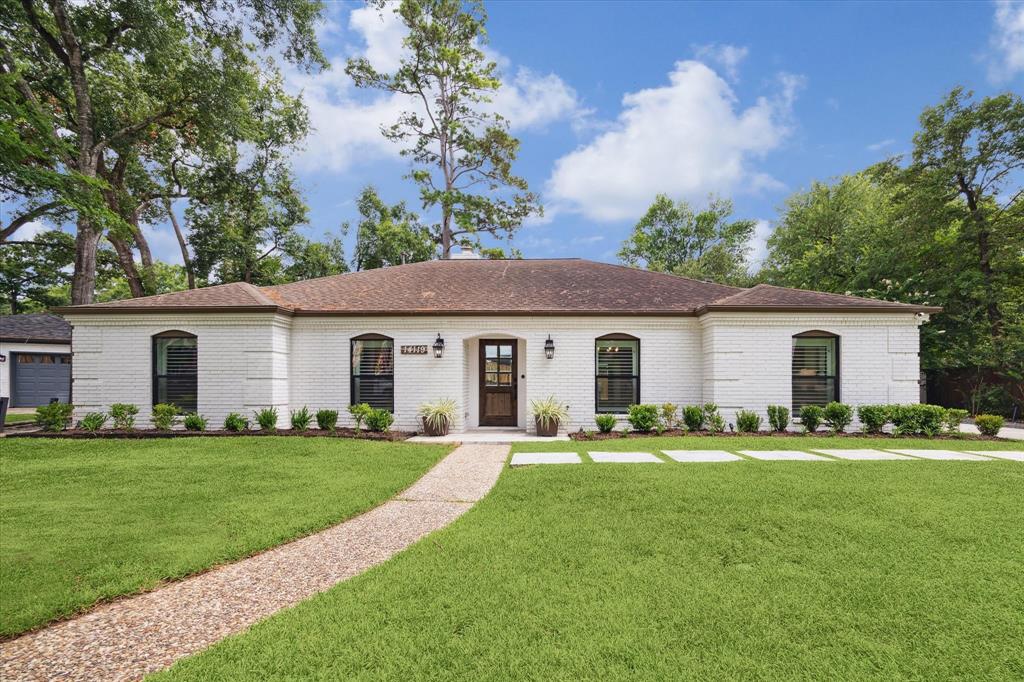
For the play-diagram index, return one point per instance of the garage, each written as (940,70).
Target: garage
(38,378)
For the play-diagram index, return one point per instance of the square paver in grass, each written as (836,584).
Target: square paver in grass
(524,458)
(1016,455)
(624,457)
(784,455)
(702,456)
(864,454)
(943,454)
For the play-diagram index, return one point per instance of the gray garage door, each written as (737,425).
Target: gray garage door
(37,378)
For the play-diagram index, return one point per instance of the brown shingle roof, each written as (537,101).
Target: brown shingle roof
(513,287)
(35,328)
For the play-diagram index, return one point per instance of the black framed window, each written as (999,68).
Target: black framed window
(617,376)
(176,370)
(373,371)
(815,369)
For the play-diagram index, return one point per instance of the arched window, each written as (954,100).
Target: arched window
(176,370)
(617,374)
(815,369)
(373,371)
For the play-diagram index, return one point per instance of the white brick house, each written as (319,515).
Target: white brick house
(617,336)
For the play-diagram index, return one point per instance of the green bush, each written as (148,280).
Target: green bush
(605,422)
(873,418)
(644,418)
(952,419)
(235,422)
(379,421)
(194,422)
(811,417)
(838,416)
(989,424)
(267,419)
(54,416)
(748,421)
(778,417)
(713,421)
(327,419)
(359,411)
(916,420)
(123,415)
(163,416)
(669,415)
(693,417)
(301,419)
(93,421)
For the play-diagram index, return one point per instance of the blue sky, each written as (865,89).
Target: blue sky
(616,101)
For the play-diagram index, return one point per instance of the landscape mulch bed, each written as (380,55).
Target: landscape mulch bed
(618,435)
(153,433)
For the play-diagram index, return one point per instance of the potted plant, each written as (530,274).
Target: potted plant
(548,414)
(437,417)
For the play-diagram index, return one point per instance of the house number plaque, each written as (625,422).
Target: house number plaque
(414,350)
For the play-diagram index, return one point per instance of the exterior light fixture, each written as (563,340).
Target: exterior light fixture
(549,348)
(438,346)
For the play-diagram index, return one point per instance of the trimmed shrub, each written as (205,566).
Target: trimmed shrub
(163,416)
(54,416)
(693,417)
(267,419)
(811,417)
(644,418)
(379,421)
(235,422)
(669,415)
(301,419)
(952,419)
(989,424)
(123,415)
(713,421)
(605,422)
(778,417)
(873,418)
(359,412)
(748,421)
(93,421)
(327,419)
(838,416)
(194,422)
(917,420)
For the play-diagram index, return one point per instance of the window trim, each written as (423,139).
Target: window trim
(816,334)
(154,340)
(352,374)
(617,336)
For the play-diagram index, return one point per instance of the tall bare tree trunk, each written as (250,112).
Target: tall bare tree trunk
(83,281)
(185,257)
(126,257)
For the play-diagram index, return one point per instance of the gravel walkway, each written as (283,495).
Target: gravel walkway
(127,639)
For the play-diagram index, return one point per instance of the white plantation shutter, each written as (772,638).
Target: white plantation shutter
(814,371)
(618,375)
(373,372)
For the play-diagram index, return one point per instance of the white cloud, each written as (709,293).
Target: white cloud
(30,230)
(383,33)
(686,139)
(728,57)
(878,146)
(529,100)
(1006,59)
(759,245)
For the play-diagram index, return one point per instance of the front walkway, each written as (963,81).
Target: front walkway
(127,639)
(488,435)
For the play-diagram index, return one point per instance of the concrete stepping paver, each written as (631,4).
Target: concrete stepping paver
(702,456)
(864,454)
(524,458)
(129,638)
(943,454)
(784,455)
(625,457)
(1015,455)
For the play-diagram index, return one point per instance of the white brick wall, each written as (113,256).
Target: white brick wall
(246,361)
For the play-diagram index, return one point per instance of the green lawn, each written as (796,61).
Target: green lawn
(745,570)
(86,520)
(19,418)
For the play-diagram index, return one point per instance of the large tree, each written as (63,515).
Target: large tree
(104,77)
(705,244)
(462,152)
(29,271)
(388,235)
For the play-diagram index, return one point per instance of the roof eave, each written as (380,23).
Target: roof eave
(129,309)
(816,309)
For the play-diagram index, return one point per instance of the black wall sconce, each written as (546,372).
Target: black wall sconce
(549,348)
(438,346)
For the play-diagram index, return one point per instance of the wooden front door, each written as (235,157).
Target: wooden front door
(498,385)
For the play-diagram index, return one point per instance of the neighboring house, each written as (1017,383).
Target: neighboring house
(35,359)
(493,335)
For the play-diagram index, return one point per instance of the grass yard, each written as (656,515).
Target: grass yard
(87,520)
(743,570)
(19,418)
